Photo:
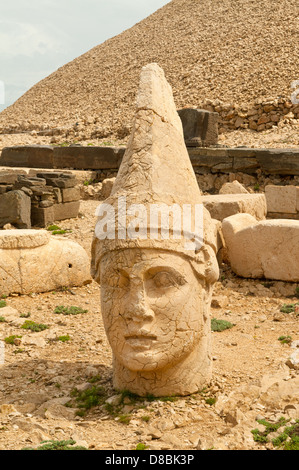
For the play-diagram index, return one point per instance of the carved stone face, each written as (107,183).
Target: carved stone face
(153,308)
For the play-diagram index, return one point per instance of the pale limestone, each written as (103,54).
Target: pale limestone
(233,188)
(222,206)
(281,199)
(266,249)
(106,188)
(32,261)
(156,293)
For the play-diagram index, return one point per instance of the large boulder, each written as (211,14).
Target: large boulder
(35,261)
(266,249)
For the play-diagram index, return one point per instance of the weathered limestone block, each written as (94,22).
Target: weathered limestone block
(15,209)
(156,291)
(281,199)
(222,206)
(33,261)
(233,188)
(107,186)
(266,249)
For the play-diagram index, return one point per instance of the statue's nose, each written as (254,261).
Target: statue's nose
(137,308)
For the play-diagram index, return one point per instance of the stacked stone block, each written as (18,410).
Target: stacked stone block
(38,201)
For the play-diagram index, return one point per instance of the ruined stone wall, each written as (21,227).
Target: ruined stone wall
(38,200)
(258,116)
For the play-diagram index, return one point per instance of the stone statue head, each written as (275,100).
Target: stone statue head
(156,285)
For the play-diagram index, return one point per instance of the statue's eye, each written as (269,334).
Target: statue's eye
(165,279)
(123,280)
(116,279)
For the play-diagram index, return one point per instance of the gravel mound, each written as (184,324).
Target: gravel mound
(232,51)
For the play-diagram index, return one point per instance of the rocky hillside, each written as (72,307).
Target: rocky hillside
(232,51)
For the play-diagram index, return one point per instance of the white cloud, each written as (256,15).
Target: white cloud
(38,36)
(28,39)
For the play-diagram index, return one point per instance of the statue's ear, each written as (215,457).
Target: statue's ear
(205,264)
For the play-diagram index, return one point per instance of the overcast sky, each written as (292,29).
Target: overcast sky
(39,36)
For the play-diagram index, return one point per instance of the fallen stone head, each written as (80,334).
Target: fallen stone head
(155,291)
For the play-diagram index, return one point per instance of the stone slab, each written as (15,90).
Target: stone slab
(67,210)
(33,156)
(70,194)
(222,206)
(278,161)
(281,199)
(208,159)
(87,158)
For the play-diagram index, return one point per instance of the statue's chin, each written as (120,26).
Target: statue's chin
(152,360)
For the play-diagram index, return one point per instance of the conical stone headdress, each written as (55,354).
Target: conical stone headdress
(156,170)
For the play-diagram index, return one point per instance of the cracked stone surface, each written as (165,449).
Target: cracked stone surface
(266,249)
(155,292)
(32,262)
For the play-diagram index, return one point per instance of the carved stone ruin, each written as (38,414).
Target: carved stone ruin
(156,292)
(35,261)
(37,201)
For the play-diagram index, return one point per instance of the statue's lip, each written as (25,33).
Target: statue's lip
(141,336)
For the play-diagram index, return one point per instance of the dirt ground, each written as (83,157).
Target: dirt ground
(41,371)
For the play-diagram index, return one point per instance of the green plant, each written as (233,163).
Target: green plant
(61,232)
(57,445)
(289,438)
(141,446)
(57,230)
(2,320)
(69,310)
(11,339)
(288,308)
(35,327)
(94,379)
(220,325)
(25,315)
(256,187)
(285,339)
(64,339)
(145,418)
(124,419)
(2,303)
(262,436)
(211,401)
(152,398)
(53,227)
(19,351)
(87,399)
(297,292)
